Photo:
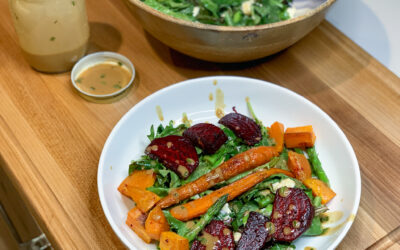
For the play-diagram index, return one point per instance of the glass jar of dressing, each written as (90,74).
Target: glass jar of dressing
(53,34)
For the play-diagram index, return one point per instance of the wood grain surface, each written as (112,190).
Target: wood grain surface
(51,138)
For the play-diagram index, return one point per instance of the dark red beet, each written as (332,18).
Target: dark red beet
(243,127)
(198,246)
(292,214)
(206,136)
(220,237)
(255,234)
(176,153)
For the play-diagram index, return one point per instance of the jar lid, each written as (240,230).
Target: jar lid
(99,58)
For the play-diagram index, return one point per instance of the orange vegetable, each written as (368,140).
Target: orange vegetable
(299,137)
(299,165)
(134,186)
(319,188)
(136,221)
(198,207)
(156,223)
(172,241)
(247,160)
(144,199)
(140,179)
(277,133)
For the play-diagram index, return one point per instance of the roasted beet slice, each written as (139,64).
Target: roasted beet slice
(216,236)
(176,153)
(292,214)
(243,127)
(256,232)
(206,136)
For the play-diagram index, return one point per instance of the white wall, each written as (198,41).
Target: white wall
(374,25)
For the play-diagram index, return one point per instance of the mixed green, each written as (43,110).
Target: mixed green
(225,12)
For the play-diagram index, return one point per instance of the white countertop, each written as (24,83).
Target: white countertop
(374,25)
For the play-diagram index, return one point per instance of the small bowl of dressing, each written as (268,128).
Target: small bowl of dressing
(102,75)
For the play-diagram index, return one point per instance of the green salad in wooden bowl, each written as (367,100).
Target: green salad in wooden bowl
(225,12)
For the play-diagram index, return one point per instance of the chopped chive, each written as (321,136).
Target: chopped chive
(117,86)
(120,63)
(52,38)
(102,75)
(103,82)
(56,21)
(73,3)
(79,80)
(92,88)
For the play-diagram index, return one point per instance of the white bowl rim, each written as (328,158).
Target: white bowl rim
(203,26)
(212,78)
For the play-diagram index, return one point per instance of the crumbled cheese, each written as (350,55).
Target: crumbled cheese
(283,183)
(236,236)
(195,197)
(225,211)
(246,7)
(291,11)
(265,192)
(196,10)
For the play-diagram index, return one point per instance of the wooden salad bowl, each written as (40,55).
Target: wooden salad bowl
(226,43)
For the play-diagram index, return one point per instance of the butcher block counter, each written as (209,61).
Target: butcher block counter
(51,138)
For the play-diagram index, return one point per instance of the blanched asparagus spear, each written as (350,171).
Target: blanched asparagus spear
(316,165)
(206,218)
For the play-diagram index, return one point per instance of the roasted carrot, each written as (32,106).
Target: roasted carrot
(239,163)
(136,221)
(319,188)
(172,241)
(198,207)
(299,137)
(299,166)
(140,179)
(156,223)
(277,133)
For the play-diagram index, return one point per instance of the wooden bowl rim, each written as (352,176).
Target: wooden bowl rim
(203,26)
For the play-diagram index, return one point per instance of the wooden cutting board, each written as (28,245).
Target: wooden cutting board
(51,138)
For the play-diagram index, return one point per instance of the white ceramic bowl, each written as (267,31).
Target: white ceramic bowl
(97,58)
(128,140)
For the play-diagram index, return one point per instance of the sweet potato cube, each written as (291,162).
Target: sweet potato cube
(135,221)
(299,166)
(139,179)
(319,188)
(144,199)
(277,132)
(299,137)
(172,241)
(156,223)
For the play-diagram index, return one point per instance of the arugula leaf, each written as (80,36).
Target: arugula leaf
(160,191)
(315,228)
(283,246)
(283,159)
(241,218)
(224,12)
(211,6)
(167,10)
(165,131)
(177,225)
(266,140)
